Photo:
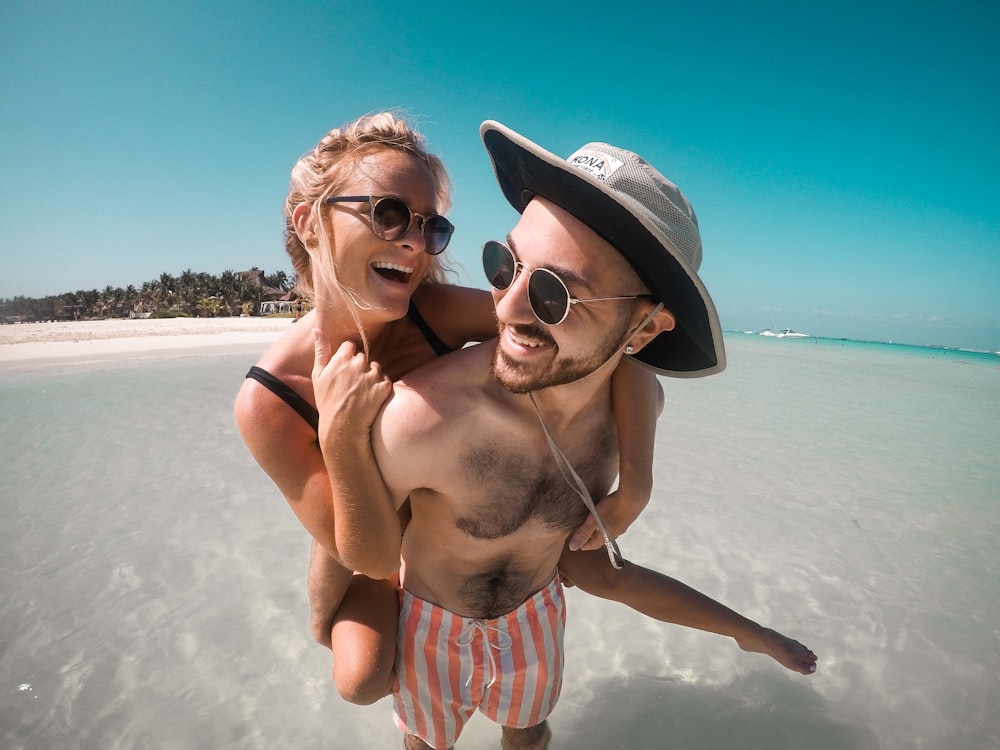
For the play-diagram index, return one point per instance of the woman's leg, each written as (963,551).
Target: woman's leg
(356,617)
(364,640)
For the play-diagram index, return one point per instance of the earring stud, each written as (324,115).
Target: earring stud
(629,349)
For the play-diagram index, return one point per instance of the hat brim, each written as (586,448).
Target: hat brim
(694,348)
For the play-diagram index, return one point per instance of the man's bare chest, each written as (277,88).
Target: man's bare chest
(514,485)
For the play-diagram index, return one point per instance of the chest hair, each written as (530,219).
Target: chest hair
(515,488)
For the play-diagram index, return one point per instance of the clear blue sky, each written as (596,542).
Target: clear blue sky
(844,161)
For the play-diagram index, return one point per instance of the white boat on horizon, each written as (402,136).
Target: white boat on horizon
(787,333)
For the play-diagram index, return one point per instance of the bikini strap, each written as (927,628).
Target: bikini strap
(280,389)
(440,348)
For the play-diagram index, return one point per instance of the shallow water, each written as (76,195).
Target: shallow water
(153,579)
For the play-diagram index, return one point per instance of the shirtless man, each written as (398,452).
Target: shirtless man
(499,447)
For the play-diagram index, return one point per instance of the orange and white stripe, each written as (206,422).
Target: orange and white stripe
(447,667)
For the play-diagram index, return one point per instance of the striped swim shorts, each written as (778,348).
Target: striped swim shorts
(447,667)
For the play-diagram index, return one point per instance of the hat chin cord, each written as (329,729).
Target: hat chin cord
(569,474)
(578,486)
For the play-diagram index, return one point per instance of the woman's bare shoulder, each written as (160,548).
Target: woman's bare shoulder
(291,355)
(260,413)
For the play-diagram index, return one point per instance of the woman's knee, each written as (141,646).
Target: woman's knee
(362,687)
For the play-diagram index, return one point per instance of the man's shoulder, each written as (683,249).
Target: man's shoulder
(466,370)
(440,402)
(433,411)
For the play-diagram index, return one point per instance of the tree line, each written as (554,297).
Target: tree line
(190,293)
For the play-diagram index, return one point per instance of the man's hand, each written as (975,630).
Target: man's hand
(618,510)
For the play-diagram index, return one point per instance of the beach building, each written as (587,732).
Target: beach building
(278,307)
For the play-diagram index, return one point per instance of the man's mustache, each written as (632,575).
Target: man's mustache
(533,332)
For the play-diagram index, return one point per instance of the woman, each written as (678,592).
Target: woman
(364,229)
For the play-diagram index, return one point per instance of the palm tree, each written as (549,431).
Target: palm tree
(185,292)
(278,280)
(108,302)
(147,296)
(164,291)
(130,297)
(208,306)
(229,290)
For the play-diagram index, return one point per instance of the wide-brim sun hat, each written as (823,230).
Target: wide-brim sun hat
(639,212)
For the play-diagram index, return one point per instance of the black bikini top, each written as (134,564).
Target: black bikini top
(278,387)
(440,348)
(306,410)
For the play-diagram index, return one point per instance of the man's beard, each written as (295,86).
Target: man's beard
(520,377)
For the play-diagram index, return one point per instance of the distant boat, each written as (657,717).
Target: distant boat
(787,333)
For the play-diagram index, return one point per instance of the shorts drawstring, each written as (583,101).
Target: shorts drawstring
(503,643)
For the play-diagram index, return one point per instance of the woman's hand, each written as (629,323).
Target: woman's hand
(618,510)
(350,390)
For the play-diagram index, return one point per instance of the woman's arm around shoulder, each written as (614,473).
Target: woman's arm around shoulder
(457,314)
(637,398)
(285,447)
(350,391)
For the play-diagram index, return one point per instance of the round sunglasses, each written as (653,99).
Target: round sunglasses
(548,295)
(392,219)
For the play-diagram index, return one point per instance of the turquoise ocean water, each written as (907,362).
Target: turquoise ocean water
(846,494)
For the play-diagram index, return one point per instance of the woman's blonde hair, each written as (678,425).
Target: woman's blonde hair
(323,172)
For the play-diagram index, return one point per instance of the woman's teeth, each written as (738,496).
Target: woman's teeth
(392,270)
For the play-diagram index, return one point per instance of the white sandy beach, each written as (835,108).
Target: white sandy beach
(100,338)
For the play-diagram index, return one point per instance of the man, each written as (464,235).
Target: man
(500,447)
